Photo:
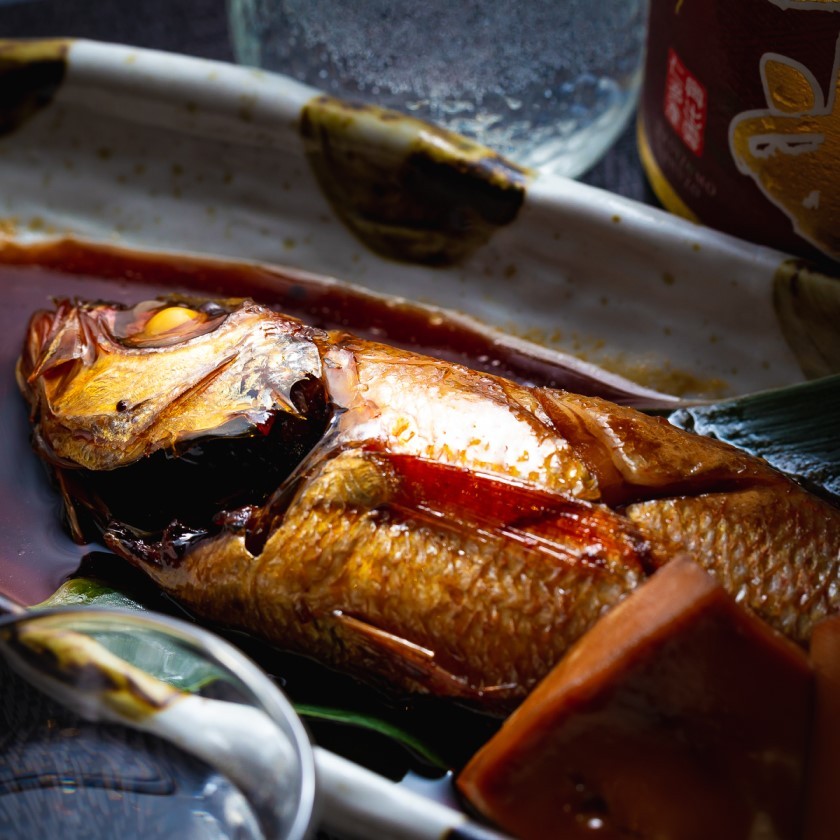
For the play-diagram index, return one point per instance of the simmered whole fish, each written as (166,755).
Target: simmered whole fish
(393,515)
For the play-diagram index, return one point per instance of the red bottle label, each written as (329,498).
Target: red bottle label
(685,104)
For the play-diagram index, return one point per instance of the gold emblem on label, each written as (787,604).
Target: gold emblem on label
(791,148)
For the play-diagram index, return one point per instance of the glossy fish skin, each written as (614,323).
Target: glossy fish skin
(453,532)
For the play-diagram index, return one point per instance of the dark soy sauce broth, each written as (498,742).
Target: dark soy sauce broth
(37,555)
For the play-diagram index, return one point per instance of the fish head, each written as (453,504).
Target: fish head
(174,397)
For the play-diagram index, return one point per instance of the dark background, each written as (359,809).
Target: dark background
(199,27)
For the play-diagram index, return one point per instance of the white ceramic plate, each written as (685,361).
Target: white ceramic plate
(162,152)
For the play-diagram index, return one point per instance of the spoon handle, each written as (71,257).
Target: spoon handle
(10,607)
(355,802)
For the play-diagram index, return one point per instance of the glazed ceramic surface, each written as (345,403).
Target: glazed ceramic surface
(162,152)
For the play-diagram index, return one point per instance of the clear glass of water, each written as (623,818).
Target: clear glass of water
(550,84)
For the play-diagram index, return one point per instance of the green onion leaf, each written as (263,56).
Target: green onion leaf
(374,724)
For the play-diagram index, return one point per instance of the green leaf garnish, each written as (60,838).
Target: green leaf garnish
(86,592)
(155,653)
(795,429)
(374,724)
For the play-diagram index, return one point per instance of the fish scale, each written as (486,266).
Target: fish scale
(788,574)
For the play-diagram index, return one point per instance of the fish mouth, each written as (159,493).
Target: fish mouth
(153,510)
(198,487)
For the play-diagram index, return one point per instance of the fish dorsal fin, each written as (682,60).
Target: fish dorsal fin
(550,523)
(552,527)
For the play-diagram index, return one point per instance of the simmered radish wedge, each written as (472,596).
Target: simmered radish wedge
(678,715)
(822,819)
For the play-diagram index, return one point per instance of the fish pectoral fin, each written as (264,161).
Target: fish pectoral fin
(71,511)
(416,662)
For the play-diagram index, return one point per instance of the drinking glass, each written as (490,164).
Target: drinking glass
(547,83)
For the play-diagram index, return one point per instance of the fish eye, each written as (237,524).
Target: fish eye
(168,319)
(153,324)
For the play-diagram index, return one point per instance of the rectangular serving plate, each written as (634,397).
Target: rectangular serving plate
(161,152)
